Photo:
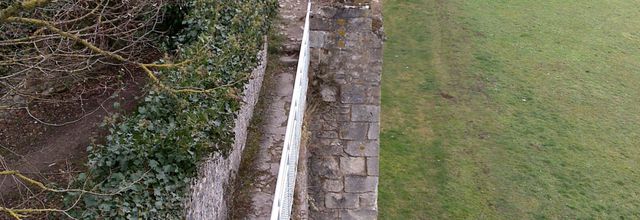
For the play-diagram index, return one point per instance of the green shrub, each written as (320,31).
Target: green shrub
(150,157)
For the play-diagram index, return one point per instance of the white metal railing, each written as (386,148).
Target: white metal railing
(283,197)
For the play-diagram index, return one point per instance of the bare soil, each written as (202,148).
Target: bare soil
(48,140)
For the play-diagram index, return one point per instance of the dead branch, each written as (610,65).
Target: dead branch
(22,213)
(49,46)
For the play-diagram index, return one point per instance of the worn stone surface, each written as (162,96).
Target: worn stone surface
(327,167)
(359,24)
(369,200)
(344,145)
(374,131)
(368,148)
(326,214)
(360,184)
(366,113)
(318,39)
(342,200)
(328,134)
(372,166)
(351,93)
(351,12)
(330,185)
(354,130)
(358,214)
(331,150)
(328,93)
(353,165)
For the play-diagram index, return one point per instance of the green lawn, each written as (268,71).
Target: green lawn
(511,109)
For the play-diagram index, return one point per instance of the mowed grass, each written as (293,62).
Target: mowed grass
(523,109)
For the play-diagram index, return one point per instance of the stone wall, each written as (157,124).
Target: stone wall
(343,150)
(210,191)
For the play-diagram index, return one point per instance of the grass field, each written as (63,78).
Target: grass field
(523,109)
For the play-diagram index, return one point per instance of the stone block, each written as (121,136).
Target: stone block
(327,134)
(353,130)
(344,117)
(368,113)
(360,214)
(328,150)
(328,93)
(329,125)
(326,214)
(332,185)
(374,131)
(344,112)
(376,57)
(327,12)
(319,60)
(373,92)
(327,114)
(331,142)
(363,41)
(315,126)
(375,42)
(318,39)
(355,3)
(362,24)
(351,13)
(371,76)
(318,23)
(353,165)
(341,79)
(339,57)
(368,148)
(356,58)
(344,109)
(327,167)
(357,70)
(360,184)
(369,200)
(350,93)
(341,200)
(372,166)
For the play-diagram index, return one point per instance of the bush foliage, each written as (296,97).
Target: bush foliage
(150,157)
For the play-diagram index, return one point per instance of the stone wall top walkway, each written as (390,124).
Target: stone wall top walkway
(343,149)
